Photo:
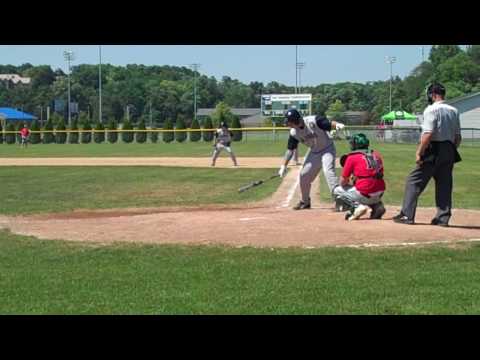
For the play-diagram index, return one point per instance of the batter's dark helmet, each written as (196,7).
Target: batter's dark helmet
(359,141)
(223,124)
(293,116)
(435,88)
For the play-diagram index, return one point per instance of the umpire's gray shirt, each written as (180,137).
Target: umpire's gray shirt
(442,120)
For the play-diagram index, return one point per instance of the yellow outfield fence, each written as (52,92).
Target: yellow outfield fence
(160,130)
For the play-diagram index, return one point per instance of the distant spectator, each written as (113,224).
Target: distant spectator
(25,134)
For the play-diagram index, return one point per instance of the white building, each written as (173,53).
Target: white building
(15,79)
(469,108)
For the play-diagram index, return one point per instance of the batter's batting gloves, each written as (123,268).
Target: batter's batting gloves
(282,171)
(339,126)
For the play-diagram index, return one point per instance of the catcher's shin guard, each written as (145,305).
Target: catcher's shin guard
(342,205)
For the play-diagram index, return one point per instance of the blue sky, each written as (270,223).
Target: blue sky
(265,63)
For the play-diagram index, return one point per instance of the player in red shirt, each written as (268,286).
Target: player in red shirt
(366,168)
(25,134)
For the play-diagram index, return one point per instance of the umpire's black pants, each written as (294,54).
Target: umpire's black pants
(440,167)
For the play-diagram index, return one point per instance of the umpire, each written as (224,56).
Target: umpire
(435,157)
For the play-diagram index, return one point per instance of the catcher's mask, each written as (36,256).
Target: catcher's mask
(435,88)
(292,116)
(359,141)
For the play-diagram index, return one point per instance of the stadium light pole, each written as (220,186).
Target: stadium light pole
(300,66)
(390,60)
(69,57)
(100,84)
(296,69)
(195,67)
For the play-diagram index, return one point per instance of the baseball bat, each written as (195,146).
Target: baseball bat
(256,183)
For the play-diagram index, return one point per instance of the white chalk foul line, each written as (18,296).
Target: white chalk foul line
(248,219)
(291,192)
(367,245)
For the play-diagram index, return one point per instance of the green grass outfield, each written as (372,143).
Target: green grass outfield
(54,277)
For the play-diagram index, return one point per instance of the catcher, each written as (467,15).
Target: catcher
(223,139)
(366,168)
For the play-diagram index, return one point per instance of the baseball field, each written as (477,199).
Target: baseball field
(152,229)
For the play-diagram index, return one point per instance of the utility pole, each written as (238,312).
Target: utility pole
(69,57)
(195,67)
(390,60)
(296,69)
(300,66)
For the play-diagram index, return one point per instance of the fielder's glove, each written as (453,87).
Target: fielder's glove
(282,171)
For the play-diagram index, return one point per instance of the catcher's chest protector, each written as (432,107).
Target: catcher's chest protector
(373,162)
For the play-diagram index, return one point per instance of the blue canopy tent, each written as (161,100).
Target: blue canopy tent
(11,114)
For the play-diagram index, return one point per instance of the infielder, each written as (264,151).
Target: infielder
(311,131)
(223,139)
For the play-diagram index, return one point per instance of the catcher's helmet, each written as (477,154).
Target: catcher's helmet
(435,88)
(359,141)
(293,116)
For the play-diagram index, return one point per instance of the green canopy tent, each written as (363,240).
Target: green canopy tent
(398,115)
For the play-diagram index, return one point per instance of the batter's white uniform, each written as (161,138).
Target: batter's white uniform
(321,154)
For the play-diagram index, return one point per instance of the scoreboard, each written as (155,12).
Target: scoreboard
(276,105)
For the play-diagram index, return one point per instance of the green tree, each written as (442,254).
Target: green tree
(168,136)
(1,133)
(459,67)
(207,125)
(222,113)
(153,135)
(237,134)
(127,136)
(474,53)
(99,134)
(10,136)
(141,136)
(336,111)
(180,136)
(61,137)
(73,136)
(195,135)
(441,53)
(48,136)
(86,134)
(112,135)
